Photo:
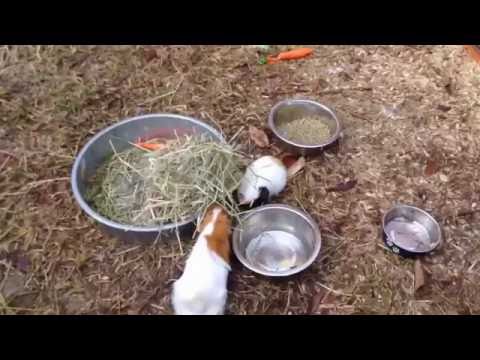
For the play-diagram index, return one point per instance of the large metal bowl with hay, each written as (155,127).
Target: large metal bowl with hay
(120,137)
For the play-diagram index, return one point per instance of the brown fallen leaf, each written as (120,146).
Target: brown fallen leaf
(419,275)
(150,54)
(444,108)
(258,137)
(317,299)
(345,186)
(337,227)
(20,261)
(23,263)
(268,132)
(296,167)
(449,88)
(336,309)
(432,167)
(13,285)
(276,151)
(467,212)
(288,159)
(74,303)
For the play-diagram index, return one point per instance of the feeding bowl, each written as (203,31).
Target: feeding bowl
(142,128)
(410,231)
(288,110)
(276,240)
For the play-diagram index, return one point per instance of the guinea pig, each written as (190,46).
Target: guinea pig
(264,178)
(202,288)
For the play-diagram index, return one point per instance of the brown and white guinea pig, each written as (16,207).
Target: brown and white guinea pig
(264,178)
(202,288)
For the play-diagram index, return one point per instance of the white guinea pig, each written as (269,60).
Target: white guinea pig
(202,288)
(264,178)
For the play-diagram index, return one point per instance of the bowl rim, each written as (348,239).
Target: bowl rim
(428,215)
(113,224)
(313,256)
(287,102)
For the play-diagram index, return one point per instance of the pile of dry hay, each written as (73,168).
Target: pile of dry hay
(172,184)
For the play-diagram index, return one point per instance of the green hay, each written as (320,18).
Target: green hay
(146,188)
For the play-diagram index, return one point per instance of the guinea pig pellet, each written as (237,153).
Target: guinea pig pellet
(309,130)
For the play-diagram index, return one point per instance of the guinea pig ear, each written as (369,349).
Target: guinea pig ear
(241,199)
(206,217)
(263,199)
(200,221)
(264,194)
(199,224)
(235,194)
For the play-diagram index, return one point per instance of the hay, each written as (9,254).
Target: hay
(173,184)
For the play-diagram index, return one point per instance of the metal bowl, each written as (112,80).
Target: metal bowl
(410,231)
(98,149)
(293,109)
(276,240)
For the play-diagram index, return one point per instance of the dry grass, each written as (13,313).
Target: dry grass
(404,108)
(143,187)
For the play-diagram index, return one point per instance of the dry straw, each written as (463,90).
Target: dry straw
(146,188)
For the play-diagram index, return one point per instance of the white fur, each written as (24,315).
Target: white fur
(202,288)
(266,171)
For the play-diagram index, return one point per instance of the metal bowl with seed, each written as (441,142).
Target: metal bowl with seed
(292,109)
(276,240)
(410,231)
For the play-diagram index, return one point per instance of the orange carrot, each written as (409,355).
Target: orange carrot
(290,55)
(151,146)
(473,51)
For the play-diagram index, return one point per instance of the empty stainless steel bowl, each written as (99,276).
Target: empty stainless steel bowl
(98,149)
(410,231)
(296,108)
(276,240)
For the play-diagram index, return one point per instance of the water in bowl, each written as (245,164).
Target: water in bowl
(276,251)
(407,234)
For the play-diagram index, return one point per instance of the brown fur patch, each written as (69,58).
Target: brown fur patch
(219,240)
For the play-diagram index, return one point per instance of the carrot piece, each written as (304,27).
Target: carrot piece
(473,51)
(152,146)
(290,55)
(295,54)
